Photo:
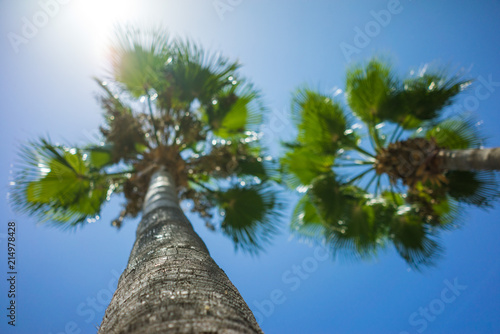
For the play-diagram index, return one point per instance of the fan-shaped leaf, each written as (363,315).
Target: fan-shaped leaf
(199,75)
(138,59)
(250,215)
(414,241)
(353,228)
(305,219)
(455,134)
(58,185)
(425,96)
(302,166)
(322,123)
(479,188)
(98,156)
(367,88)
(235,113)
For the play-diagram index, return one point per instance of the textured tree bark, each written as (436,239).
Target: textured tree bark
(171,284)
(471,159)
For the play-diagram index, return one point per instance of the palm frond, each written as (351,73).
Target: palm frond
(301,166)
(422,98)
(251,215)
(479,188)
(353,228)
(59,185)
(367,89)
(305,219)
(322,123)
(139,57)
(98,156)
(257,167)
(455,134)
(235,111)
(414,241)
(425,96)
(196,74)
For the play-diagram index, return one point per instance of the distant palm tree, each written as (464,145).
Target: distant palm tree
(400,186)
(180,125)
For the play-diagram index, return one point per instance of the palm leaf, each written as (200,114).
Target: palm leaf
(455,134)
(235,111)
(199,75)
(351,227)
(305,219)
(301,166)
(250,215)
(322,123)
(427,95)
(58,184)
(368,88)
(98,156)
(479,188)
(414,241)
(138,59)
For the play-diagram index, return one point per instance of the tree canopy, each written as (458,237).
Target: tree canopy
(368,166)
(168,103)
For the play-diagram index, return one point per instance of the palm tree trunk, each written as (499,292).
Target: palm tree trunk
(171,284)
(471,159)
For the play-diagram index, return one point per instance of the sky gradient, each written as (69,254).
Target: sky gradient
(65,279)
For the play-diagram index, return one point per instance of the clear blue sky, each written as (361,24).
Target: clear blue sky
(65,278)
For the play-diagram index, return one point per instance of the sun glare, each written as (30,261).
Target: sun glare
(101,16)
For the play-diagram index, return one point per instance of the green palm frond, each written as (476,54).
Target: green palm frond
(479,188)
(59,185)
(427,95)
(98,156)
(138,59)
(301,166)
(258,166)
(196,74)
(235,111)
(352,227)
(306,221)
(250,215)
(322,123)
(367,89)
(254,167)
(414,241)
(455,134)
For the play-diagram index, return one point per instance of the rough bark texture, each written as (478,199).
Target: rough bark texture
(471,159)
(171,284)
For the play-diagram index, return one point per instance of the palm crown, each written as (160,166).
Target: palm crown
(167,104)
(363,187)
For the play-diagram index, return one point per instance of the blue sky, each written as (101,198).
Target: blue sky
(65,278)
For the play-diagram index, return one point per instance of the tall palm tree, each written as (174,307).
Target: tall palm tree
(180,126)
(389,165)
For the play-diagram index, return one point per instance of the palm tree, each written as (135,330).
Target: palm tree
(180,126)
(365,188)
